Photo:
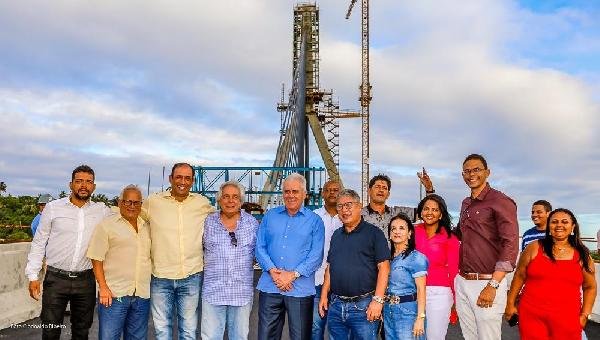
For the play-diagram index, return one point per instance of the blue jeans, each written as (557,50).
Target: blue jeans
(344,318)
(272,308)
(399,319)
(318,323)
(182,295)
(127,315)
(215,317)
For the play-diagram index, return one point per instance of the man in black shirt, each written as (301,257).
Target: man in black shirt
(356,275)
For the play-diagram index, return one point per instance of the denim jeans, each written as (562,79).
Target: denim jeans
(318,323)
(127,315)
(399,320)
(345,317)
(182,295)
(215,318)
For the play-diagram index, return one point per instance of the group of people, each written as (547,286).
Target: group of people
(361,272)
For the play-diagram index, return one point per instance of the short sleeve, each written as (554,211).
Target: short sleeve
(98,244)
(420,265)
(382,251)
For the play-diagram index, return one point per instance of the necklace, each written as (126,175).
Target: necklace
(558,249)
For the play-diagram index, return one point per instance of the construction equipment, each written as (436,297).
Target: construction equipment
(307,106)
(365,94)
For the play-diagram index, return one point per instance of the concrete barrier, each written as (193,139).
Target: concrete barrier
(596,309)
(15,304)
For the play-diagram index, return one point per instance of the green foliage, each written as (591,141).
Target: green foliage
(15,233)
(17,210)
(595,256)
(62,194)
(19,235)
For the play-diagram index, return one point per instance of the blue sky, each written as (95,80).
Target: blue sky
(131,86)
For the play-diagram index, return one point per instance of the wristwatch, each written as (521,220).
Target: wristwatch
(421,316)
(494,284)
(378,299)
(296,274)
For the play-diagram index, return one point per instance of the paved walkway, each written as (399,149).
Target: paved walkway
(27,330)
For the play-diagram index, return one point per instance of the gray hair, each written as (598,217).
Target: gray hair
(130,187)
(294,176)
(231,184)
(349,193)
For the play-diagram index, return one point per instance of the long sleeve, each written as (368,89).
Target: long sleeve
(315,255)
(38,245)
(262,251)
(508,232)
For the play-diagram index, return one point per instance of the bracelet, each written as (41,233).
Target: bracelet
(378,299)
(432,191)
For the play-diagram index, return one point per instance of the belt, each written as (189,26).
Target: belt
(475,276)
(354,298)
(66,273)
(396,299)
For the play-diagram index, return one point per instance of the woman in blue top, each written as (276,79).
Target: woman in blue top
(404,309)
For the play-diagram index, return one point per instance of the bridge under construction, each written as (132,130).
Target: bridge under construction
(309,112)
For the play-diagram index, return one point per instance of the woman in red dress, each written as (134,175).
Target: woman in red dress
(555,270)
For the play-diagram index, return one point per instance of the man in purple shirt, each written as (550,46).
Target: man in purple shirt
(490,243)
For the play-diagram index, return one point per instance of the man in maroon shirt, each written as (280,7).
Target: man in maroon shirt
(490,242)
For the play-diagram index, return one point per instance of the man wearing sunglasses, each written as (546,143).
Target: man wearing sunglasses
(228,287)
(120,254)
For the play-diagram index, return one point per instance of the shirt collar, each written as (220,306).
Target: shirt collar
(386,210)
(358,228)
(483,192)
(302,210)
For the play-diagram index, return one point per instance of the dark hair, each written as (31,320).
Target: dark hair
(381,177)
(177,165)
(573,239)
(478,157)
(446,220)
(83,168)
(546,204)
(411,239)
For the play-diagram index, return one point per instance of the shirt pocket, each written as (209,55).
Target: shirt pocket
(483,215)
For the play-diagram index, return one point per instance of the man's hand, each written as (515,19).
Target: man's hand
(323,305)
(509,311)
(34,289)
(287,279)
(486,297)
(281,278)
(425,180)
(105,296)
(583,318)
(374,311)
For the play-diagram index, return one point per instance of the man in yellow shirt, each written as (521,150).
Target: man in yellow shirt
(120,254)
(176,220)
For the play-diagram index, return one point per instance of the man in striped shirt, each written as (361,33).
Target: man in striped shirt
(539,215)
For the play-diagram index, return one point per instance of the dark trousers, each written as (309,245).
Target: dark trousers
(58,291)
(271,316)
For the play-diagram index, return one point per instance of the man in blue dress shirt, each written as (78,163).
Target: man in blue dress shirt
(289,249)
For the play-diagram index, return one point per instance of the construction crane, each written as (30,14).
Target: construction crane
(365,94)
(308,109)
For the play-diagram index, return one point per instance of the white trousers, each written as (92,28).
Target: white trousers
(479,323)
(437,308)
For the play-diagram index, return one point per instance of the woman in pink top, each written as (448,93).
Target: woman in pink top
(435,239)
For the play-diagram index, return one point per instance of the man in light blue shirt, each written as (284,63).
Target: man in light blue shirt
(42,201)
(289,249)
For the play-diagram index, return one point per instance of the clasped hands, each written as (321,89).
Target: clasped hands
(283,279)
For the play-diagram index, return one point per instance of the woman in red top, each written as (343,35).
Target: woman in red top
(434,238)
(555,270)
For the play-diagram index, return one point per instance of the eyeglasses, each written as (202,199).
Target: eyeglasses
(233,239)
(129,203)
(473,171)
(347,205)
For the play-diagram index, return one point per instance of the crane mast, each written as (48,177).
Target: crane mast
(365,95)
